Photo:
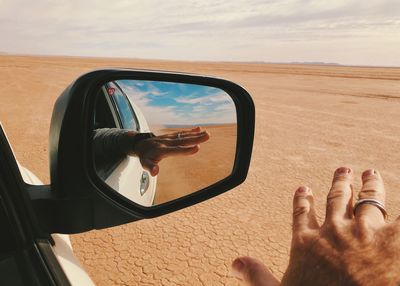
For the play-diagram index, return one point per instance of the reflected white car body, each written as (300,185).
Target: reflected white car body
(129,178)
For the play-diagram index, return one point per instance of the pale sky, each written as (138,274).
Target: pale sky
(354,32)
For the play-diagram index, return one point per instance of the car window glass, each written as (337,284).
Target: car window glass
(103,118)
(127,117)
(102,114)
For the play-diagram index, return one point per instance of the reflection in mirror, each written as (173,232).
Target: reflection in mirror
(154,142)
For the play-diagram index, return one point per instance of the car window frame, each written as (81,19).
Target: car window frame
(105,173)
(113,108)
(117,110)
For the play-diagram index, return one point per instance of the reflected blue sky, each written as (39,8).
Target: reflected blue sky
(166,103)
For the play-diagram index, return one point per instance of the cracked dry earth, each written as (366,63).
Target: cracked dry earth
(309,120)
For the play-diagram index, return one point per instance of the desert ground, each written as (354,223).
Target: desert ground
(309,121)
(181,176)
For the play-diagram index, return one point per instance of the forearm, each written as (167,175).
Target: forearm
(111,142)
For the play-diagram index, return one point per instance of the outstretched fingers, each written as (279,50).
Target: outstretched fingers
(198,138)
(178,151)
(182,133)
(340,198)
(372,189)
(304,217)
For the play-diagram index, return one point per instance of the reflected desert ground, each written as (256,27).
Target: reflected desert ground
(309,121)
(180,176)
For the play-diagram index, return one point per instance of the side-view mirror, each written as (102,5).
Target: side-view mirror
(152,140)
(132,144)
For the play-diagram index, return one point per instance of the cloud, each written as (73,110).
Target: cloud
(239,30)
(210,99)
(163,108)
(153,114)
(199,109)
(225,108)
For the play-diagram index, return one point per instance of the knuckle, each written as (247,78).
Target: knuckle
(370,193)
(332,222)
(300,238)
(371,178)
(340,178)
(334,194)
(364,230)
(373,182)
(300,211)
(370,190)
(363,224)
(335,225)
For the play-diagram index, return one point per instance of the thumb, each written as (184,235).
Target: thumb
(253,272)
(150,166)
(154,170)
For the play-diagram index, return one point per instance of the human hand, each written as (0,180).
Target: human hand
(151,151)
(348,249)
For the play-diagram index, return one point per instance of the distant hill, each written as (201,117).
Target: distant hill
(296,63)
(314,63)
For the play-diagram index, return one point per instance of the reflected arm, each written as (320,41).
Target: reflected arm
(111,143)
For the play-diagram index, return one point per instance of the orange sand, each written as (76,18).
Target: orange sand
(309,120)
(180,176)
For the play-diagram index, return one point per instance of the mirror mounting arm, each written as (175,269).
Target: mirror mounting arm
(60,215)
(71,215)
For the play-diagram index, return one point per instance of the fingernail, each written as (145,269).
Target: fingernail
(154,170)
(342,171)
(302,190)
(368,173)
(237,268)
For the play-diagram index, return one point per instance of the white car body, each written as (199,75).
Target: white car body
(62,249)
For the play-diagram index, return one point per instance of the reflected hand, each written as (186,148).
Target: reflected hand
(360,249)
(151,151)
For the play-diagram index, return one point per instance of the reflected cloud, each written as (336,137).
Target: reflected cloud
(165,103)
(215,98)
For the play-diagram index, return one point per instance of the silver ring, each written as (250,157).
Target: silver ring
(179,136)
(373,202)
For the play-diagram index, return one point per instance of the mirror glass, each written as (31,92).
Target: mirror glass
(154,142)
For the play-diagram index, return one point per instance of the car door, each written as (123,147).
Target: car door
(27,255)
(127,175)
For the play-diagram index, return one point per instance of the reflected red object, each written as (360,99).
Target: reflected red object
(110,90)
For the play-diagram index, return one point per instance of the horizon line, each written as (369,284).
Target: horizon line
(254,62)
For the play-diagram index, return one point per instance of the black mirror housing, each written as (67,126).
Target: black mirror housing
(78,200)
